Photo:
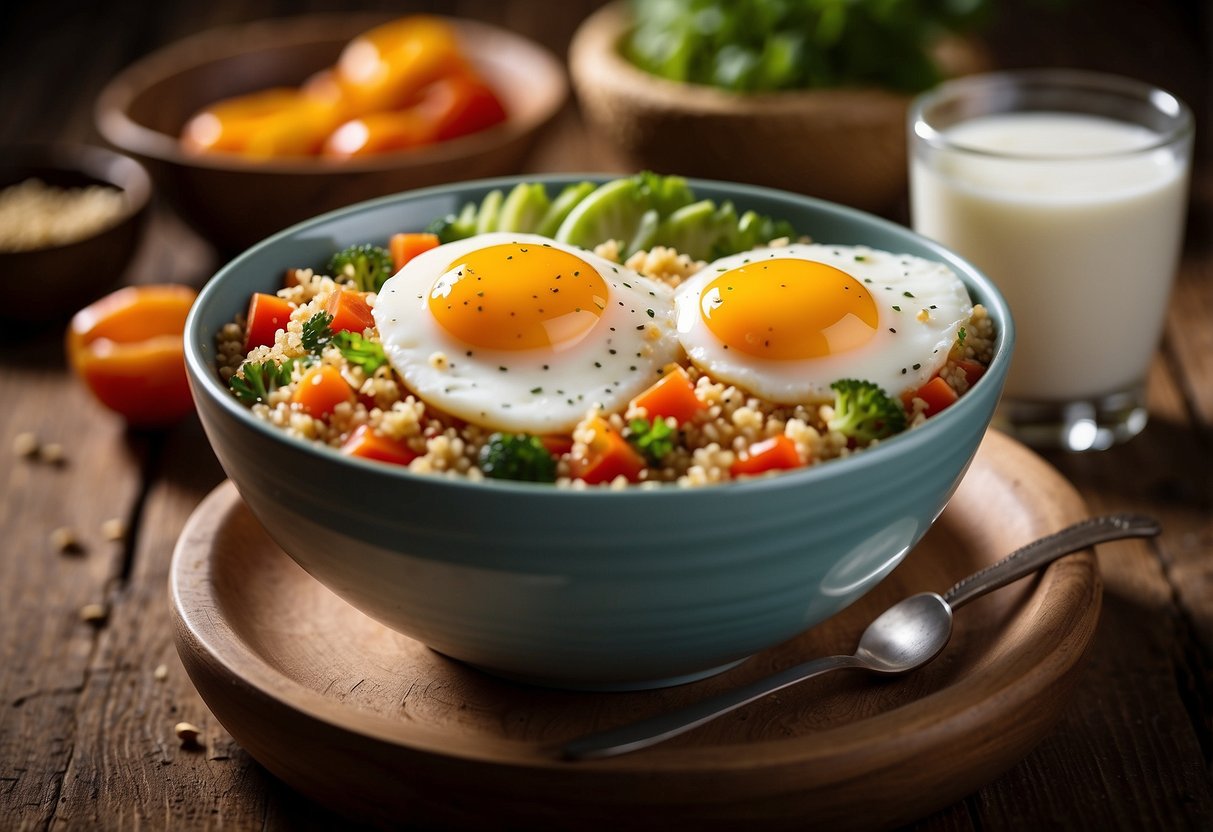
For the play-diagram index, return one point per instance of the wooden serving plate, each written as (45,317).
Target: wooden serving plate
(376,725)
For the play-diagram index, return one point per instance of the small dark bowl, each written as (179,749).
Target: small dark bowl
(59,279)
(234,202)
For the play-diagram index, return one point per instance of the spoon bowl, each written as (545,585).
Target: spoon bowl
(906,636)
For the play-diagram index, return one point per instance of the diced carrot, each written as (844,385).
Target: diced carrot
(973,370)
(405,246)
(671,395)
(364,442)
(557,445)
(775,454)
(350,311)
(936,393)
(608,456)
(266,315)
(320,390)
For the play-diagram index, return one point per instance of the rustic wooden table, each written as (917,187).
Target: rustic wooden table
(86,717)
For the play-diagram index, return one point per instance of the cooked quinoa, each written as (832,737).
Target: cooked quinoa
(35,215)
(706,447)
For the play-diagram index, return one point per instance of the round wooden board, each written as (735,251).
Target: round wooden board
(376,725)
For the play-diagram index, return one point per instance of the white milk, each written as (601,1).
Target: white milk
(1083,248)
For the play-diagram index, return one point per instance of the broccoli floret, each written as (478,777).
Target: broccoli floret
(517,456)
(366,266)
(864,412)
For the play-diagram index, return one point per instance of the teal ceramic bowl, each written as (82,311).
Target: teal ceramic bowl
(593,589)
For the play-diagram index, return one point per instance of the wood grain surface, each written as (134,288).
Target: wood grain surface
(86,721)
(373,723)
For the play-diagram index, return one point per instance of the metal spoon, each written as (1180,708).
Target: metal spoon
(906,636)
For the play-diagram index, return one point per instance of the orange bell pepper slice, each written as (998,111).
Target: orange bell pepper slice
(128,350)
(386,67)
(458,105)
(775,454)
(271,123)
(380,132)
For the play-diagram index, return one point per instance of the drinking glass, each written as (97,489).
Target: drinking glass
(1069,189)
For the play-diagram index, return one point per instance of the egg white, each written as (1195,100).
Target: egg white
(539,390)
(906,350)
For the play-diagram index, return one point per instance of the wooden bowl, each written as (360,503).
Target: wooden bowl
(57,280)
(235,202)
(842,145)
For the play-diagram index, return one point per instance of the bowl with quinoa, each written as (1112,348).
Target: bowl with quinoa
(597,432)
(72,217)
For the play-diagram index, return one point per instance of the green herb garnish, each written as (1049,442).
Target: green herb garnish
(654,439)
(359,350)
(767,45)
(317,333)
(254,381)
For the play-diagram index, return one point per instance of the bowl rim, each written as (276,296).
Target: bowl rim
(206,379)
(110,111)
(112,168)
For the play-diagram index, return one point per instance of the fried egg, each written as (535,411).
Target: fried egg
(519,332)
(784,323)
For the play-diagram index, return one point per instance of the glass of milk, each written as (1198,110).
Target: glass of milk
(1069,190)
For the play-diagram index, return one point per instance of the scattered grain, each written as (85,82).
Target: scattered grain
(160,673)
(65,541)
(95,614)
(26,445)
(188,733)
(52,453)
(114,529)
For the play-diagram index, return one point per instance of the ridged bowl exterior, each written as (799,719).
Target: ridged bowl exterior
(592,589)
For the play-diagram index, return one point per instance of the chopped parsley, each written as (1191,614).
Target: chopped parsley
(255,380)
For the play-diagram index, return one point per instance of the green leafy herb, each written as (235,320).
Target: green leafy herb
(960,337)
(654,439)
(254,381)
(361,351)
(317,333)
(766,45)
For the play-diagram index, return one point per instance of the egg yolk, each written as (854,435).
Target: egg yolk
(519,296)
(785,309)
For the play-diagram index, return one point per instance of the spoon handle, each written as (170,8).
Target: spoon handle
(653,730)
(1040,553)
